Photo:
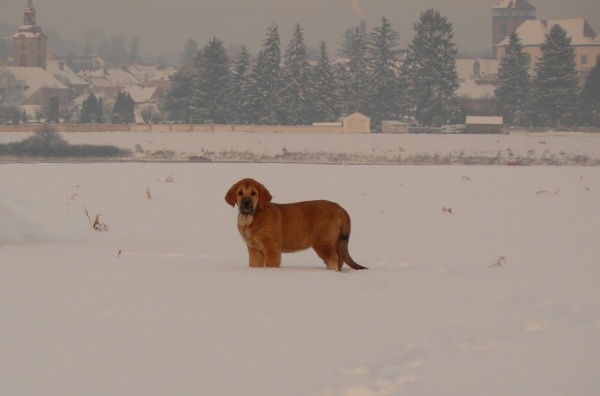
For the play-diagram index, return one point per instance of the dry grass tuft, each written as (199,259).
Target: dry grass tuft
(148,194)
(96,224)
(170,178)
(499,263)
(446,210)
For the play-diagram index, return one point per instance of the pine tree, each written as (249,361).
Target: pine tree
(252,91)
(100,112)
(354,77)
(11,88)
(555,87)
(514,91)
(239,100)
(430,68)
(124,110)
(134,50)
(326,89)
(89,110)
(176,103)
(345,49)
(210,84)
(189,52)
(385,96)
(297,92)
(590,97)
(53,111)
(269,80)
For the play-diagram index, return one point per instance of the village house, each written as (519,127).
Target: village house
(68,77)
(484,125)
(39,87)
(478,79)
(584,41)
(146,101)
(394,127)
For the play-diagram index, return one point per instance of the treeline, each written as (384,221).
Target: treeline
(378,78)
(281,87)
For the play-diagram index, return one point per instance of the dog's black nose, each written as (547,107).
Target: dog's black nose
(247,202)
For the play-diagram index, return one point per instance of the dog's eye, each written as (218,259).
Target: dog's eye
(240,193)
(253,193)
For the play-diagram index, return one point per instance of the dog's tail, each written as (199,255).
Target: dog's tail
(345,254)
(343,241)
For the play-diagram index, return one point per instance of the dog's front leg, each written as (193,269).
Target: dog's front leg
(257,258)
(272,252)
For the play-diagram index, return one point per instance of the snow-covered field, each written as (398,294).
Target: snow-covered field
(482,281)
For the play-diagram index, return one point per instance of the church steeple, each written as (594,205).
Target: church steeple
(29,14)
(29,43)
(507,16)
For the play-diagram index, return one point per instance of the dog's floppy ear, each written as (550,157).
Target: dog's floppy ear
(230,196)
(264,196)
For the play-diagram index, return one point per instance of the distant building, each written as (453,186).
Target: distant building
(65,75)
(484,125)
(39,87)
(478,80)
(29,43)
(507,16)
(394,127)
(584,41)
(356,123)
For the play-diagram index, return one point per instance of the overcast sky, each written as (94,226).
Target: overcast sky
(165,26)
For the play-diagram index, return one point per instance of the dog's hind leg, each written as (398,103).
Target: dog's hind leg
(328,254)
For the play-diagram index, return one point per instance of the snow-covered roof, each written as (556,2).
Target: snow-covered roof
(35,78)
(139,94)
(117,76)
(514,4)
(63,73)
(533,32)
(28,31)
(101,82)
(149,73)
(484,120)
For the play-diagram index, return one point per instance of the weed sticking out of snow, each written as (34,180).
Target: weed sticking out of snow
(501,262)
(96,224)
(170,178)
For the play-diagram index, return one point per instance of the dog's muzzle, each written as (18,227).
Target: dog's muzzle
(246,207)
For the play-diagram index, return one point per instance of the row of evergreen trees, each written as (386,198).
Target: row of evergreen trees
(551,98)
(285,89)
(378,79)
(92,110)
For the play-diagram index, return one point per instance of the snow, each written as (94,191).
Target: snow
(497,296)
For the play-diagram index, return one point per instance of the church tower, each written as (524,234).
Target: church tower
(29,43)
(507,16)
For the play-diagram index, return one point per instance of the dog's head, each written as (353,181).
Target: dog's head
(249,195)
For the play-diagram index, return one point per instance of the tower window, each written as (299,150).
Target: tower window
(584,59)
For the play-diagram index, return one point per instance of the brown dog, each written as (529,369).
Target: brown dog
(270,229)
